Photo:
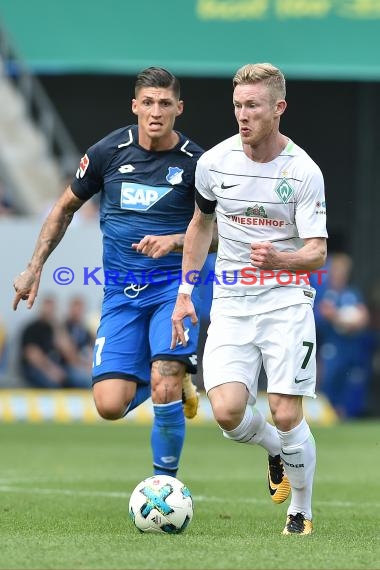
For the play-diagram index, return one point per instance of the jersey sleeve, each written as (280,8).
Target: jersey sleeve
(204,196)
(311,206)
(88,179)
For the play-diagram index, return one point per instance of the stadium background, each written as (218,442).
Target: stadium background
(86,59)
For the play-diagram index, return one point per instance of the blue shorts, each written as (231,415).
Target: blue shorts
(135,330)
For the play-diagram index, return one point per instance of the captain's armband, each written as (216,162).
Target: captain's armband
(205,206)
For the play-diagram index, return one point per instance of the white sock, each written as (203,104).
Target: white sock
(298,455)
(254,429)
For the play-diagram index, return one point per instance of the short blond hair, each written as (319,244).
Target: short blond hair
(262,72)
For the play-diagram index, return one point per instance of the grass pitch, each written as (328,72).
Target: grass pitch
(64,493)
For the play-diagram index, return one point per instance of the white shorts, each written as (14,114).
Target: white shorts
(282,340)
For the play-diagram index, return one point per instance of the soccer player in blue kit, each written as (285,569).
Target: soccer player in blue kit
(145,176)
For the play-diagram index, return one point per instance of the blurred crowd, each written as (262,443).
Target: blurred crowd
(88,212)
(347,339)
(56,352)
(52,351)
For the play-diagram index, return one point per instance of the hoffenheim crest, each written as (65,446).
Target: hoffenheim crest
(174,175)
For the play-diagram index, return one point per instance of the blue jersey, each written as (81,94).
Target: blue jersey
(143,192)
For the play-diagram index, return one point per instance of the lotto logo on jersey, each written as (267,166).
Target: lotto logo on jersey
(83,165)
(140,197)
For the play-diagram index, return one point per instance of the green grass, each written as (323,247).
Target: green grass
(64,499)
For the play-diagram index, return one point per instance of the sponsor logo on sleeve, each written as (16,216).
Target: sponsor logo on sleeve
(83,165)
(320,208)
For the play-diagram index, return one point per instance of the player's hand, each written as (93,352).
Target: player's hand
(26,286)
(183,308)
(264,255)
(155,246)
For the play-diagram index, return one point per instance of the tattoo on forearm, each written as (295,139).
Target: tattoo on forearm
(51,234)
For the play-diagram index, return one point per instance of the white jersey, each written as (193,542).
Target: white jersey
(282,201)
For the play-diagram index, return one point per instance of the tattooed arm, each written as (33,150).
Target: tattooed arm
(27,283)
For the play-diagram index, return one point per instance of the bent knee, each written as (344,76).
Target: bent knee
(286,412)
(168,369)
(112,398)
(226,417)
(110,410)
(166,381)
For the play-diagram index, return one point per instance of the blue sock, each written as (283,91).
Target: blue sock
(142,394)
(168,434)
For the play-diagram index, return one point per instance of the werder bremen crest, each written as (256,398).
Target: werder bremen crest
(284,191)
(256,210)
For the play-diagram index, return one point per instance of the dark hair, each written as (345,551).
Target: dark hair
(157,77)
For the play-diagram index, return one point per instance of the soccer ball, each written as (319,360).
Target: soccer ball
(161,504)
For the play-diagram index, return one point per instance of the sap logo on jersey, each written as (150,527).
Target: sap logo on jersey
(140,197)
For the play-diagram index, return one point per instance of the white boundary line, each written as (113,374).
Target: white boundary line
(198,498)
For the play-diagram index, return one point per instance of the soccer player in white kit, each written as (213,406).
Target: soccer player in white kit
(268,197)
